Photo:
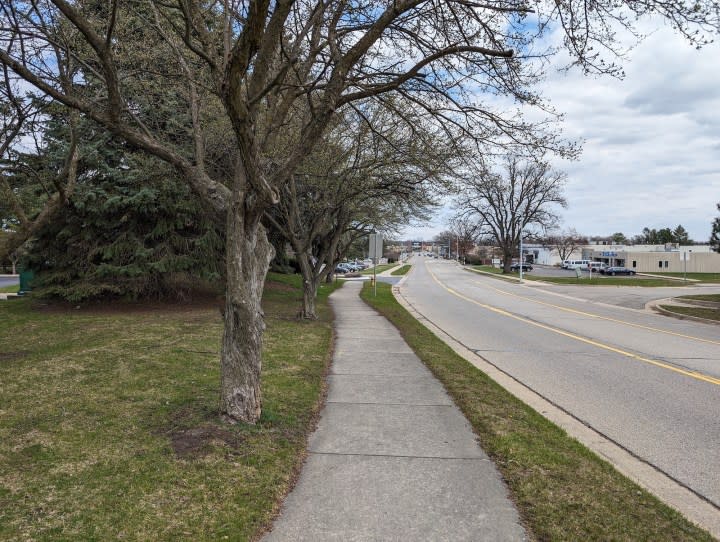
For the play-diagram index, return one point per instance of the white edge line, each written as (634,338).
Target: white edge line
(697,510)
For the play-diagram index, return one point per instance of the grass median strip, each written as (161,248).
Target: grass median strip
(379,268)
(698,312)
(702,277)
(714,298)
(563,491)
(402,270)
(602,280)
(109,426)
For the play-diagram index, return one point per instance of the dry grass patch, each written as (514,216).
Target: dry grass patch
(109,427)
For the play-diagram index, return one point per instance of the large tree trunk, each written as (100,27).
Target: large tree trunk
(507,260)
(248,254)
(310,287)
(309,295)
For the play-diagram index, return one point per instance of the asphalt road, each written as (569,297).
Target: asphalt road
(648,382)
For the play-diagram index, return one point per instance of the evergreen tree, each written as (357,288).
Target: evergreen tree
(131,228)
(715,233)
(681,236)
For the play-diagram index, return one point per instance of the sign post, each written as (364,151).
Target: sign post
(521,257)
(375,253)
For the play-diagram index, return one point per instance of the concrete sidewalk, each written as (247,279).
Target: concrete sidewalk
(392,457)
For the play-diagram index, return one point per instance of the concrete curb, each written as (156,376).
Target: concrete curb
(675,495)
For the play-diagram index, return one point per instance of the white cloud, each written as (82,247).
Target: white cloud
(651,140)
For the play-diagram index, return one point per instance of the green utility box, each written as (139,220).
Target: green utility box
(26,278)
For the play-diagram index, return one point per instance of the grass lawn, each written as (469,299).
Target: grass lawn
(109,426)
(699,312)
(379,268)
(12,289)
(402,270)
(487,269)
(703,277)
(563,491)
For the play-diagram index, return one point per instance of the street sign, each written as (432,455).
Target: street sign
(376,242)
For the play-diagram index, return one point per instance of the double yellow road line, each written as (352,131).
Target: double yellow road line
(692,374)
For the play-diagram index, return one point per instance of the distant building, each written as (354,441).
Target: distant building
(545,255)
(669,258)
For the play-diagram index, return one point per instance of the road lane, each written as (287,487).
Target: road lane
(669,418)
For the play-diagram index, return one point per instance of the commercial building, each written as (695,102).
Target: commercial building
(668,258)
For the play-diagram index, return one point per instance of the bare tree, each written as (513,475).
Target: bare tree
(513,202)
(369,174)
(21,118)
(564,243)
(467,233)
(274,75)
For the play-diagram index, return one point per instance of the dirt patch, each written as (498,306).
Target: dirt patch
(198,441)
(279,287)
(7,357)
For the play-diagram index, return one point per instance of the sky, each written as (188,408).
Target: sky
(651,142)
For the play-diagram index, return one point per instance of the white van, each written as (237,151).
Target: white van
(595,267)
(576,264)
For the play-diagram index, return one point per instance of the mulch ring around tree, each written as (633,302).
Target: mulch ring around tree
(199,441)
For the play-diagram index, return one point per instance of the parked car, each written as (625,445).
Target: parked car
(617,271)
(525,267)
(340,269)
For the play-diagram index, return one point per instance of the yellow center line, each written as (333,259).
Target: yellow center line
(692,374)
(574,311)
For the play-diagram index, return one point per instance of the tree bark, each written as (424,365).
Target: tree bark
(309,295)
(507,260)
(310,286)
(248,254)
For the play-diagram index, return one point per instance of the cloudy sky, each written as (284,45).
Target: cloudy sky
(651,153)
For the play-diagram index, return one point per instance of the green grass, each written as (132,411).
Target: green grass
(562,490)
(109,427)
(699,312)
(402,270)
(704,297)
(488,269)
(380,268)
(702,277)
(9,289)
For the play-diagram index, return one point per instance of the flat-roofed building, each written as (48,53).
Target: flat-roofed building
(669,258)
